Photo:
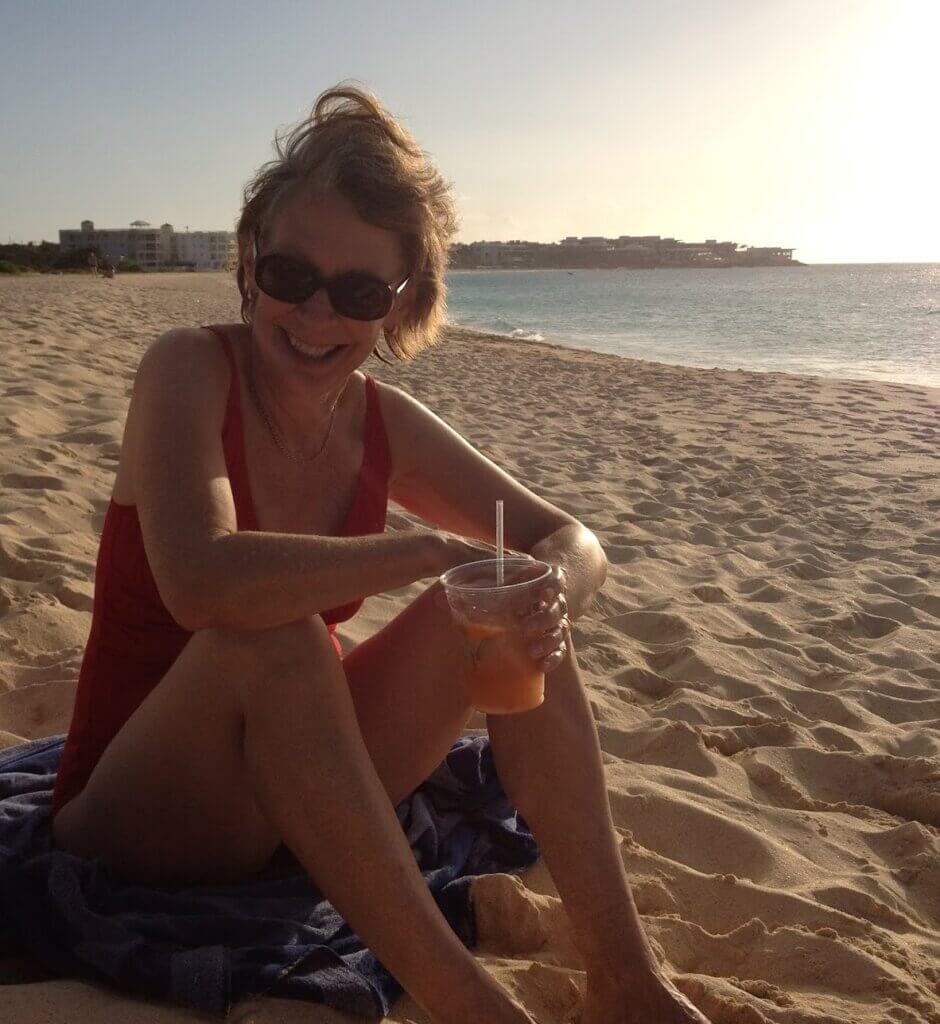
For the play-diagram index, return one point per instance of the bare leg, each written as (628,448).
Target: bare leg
(253,738)
(569,814)
(316,783)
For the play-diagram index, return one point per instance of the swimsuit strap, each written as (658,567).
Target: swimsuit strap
(233,440)
(376,439)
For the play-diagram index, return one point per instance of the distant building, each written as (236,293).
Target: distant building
(206,250)
(762,257)
(595,252)
(155,248)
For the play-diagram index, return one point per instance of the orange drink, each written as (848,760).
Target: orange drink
(502,676)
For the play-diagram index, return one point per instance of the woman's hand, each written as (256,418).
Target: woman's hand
(450,550)
(545,622)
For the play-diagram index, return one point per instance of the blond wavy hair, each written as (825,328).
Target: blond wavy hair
(352,146)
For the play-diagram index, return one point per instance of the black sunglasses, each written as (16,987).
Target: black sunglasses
(354,294)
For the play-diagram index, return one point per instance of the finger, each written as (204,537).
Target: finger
(559,579)
(552,585)
(555,658)
(544,621)
(543,646)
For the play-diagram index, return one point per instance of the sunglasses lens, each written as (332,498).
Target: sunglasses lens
(360,296)
(285,279)
(355,295)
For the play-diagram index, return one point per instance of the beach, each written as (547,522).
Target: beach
(763,661)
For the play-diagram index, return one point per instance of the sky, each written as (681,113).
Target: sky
(809,124)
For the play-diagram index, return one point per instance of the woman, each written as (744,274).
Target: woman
(247,520)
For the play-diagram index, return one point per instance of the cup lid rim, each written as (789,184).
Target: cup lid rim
(514,560)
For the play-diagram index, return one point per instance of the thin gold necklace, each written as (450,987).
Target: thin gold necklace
(282,446)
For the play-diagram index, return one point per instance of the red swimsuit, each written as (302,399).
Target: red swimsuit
(134,640)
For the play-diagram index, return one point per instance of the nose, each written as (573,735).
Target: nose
(318,306)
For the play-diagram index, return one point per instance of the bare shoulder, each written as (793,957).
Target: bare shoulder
(410,425)
(404,410)
(179,400)
(184,360)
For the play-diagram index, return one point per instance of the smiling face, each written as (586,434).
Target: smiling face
(309,344)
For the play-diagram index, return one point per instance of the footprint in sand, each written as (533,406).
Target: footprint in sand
(710,594)
(903,585)
(653,627)
(15,567)
(31,482)
(865,625)
(732,739)
(645,682)
(810,571)
(79,596)
(760,591)
(898,710)
(664,824)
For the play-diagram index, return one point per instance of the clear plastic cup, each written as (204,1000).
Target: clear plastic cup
(502,677)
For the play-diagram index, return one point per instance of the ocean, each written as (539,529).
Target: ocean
(871,321)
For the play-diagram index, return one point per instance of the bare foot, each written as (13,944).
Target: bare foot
(486,1001)
(655,999)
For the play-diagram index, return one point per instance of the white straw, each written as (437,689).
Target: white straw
(499,542)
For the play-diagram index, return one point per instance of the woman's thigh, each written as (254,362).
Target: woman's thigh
(170,798)
(407,684)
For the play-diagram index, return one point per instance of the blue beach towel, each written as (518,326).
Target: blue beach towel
(207,947)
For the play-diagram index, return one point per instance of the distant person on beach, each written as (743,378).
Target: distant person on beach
(93,264)
(217,716)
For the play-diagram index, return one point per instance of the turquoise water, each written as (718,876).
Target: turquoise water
(878,322)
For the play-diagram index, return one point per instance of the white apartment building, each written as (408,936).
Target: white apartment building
(155,248)
(205,250)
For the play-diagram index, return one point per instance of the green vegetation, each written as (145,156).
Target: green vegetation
(6,267)
(45,257)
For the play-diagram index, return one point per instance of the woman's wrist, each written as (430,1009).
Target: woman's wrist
(432,553)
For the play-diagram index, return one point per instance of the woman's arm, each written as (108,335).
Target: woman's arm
(440,476)
(208,573)
(248,580)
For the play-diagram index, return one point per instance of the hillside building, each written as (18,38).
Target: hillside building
(155,248)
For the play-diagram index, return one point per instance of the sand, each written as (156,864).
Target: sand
(764,660)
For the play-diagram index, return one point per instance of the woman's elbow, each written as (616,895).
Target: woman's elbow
(191,593)
(192,602)
(595,556)
(188,608)
(601,561)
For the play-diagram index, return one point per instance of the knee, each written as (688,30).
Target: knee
(285,650)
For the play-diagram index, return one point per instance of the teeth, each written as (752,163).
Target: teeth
(310,351)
